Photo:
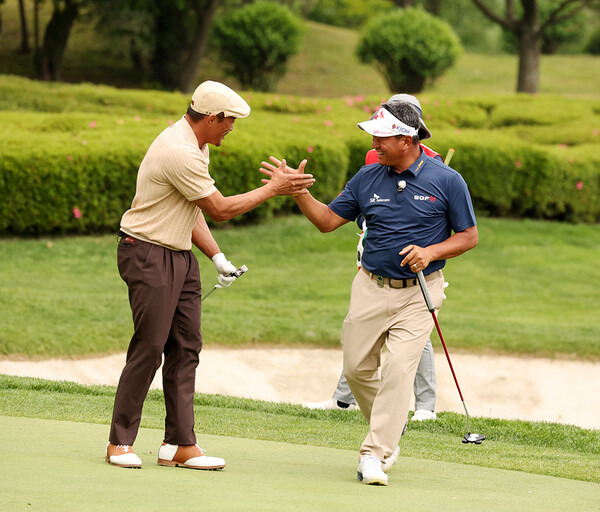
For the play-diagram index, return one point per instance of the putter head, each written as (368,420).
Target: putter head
(473,438)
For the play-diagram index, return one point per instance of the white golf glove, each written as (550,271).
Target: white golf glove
(224,268)
(446,284)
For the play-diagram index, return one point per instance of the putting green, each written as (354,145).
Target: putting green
(59,466)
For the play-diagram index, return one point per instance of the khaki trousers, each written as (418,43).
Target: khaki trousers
(165,297)
(398,320)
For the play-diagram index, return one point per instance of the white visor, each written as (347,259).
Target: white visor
(384,124)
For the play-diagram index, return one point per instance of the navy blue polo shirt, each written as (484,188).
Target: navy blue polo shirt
(435,202)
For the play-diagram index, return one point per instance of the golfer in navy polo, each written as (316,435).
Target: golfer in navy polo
(418,213)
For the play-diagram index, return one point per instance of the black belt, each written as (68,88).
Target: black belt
(392,283)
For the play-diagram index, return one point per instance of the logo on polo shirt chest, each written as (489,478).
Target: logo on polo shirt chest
(377,199)
(424,198)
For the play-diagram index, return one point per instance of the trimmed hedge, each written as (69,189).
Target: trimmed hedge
(510,178)
(74,171)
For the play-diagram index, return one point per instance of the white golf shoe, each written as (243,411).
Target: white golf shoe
(370,471)
(390,461)
(423,415)
(330,404)
(122,455)
(190,456)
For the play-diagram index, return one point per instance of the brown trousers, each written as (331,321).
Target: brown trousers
(165,297)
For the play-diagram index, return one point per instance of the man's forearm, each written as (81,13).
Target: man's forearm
(456,245)
(203,239)
(221,208)
(318,213)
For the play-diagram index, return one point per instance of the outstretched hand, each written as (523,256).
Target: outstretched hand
(286,180)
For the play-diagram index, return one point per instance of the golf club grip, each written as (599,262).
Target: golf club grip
(425,290)
(239,272)
(449,156)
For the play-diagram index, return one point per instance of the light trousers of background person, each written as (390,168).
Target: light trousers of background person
(395,319)
(424,386)
(164,293)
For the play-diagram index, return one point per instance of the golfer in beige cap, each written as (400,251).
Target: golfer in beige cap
(155,259)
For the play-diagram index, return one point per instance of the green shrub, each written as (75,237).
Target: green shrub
(548,110)
(30,95)
(409,46)
(256,43)
(75,172)
(80,179)
(455,113)
(511,178)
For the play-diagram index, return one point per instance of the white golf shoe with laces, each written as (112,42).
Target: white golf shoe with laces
(370,471)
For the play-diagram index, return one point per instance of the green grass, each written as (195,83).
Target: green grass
(529,288)
(260,476)
(541,448)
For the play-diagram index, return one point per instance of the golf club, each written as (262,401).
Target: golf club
(468,438)
(238,273)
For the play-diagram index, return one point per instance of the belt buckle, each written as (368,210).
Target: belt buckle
(380,281)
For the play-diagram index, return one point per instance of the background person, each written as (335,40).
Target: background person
(155,259)
(425,383)
(410,230)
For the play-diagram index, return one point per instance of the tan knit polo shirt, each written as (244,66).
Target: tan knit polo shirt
(173,173)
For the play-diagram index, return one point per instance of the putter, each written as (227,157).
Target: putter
(238,273)
(468,438)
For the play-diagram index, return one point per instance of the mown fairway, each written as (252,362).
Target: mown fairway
(528,288)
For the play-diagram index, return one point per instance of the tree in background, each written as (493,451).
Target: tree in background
(48,57)
(134,31)
(256,43)
(24,29)
(165,39)
(570,30)
(409,47)
(182,31)
(179,35)
(476,32)
(528,27)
